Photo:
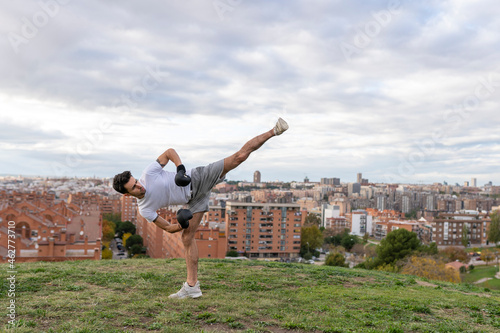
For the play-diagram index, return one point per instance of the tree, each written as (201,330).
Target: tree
(115,218)
(365,237)
(135,249)
(496,253)
(412,215)
(312,219)
(125,237)
(126,227)
(310,239)
(487,255)
(348,241)
(428,267)
(358,249)
(395,246)
(107,254)
(494,231)
(335,259)
(232,253)
(430,249)
(454,253)
(465,235)
(133,240)
(108,230)
(335,240)
(371,251)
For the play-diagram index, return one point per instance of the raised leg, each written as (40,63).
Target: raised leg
(241,155)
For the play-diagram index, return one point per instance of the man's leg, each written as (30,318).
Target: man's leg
(239,157)
(191,249)
(190,288)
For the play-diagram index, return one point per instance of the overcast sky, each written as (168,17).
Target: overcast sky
(402,91)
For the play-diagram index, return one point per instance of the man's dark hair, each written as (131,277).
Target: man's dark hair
(120,180)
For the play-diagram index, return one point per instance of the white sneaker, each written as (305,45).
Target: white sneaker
(280,126)
(187,291)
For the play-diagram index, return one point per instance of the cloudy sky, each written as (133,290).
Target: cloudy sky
(402,91)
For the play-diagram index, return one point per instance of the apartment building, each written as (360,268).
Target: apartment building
(128,208)
(38,198)
(448,229)
(264,230)
(83,199)
(211,241)
(361,222)
(421,228)
(51,233)
(337,224)
(110,204)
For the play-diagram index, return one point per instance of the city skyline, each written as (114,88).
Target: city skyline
(405,92)
(465,183)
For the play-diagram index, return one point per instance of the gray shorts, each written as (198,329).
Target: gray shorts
(203,179)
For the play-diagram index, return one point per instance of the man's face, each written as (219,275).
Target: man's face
(135,188)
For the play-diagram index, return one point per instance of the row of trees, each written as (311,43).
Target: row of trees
(112,225)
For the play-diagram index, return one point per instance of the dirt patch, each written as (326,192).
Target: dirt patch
(357,281)
(257,267)
(477,294)
(425,284)
(219,327)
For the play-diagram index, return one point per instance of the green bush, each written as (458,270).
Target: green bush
(335,259)
(135,249)
(107,254)
(133,240)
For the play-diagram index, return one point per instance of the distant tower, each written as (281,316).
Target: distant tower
(256,176)
(473,182)
(360,178)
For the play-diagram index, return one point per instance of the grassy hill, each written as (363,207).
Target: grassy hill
(250,296)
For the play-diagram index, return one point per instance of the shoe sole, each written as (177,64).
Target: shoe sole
(281,126)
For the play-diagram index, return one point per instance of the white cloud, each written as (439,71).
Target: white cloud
(174,74)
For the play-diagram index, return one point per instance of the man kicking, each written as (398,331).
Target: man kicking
(158,188)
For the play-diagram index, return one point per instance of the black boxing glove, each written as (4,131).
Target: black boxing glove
(181,179)
(183,217)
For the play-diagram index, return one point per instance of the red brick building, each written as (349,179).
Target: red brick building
(211,242)
(264,230)
(55,232)
(338,225)
(128,208)
(447,230)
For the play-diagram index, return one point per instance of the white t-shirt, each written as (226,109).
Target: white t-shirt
(161,191)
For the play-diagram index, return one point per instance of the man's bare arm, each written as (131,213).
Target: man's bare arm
(169,155)
(169,227)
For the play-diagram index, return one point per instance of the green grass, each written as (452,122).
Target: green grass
(131,296)
(480,272)
(491,284)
